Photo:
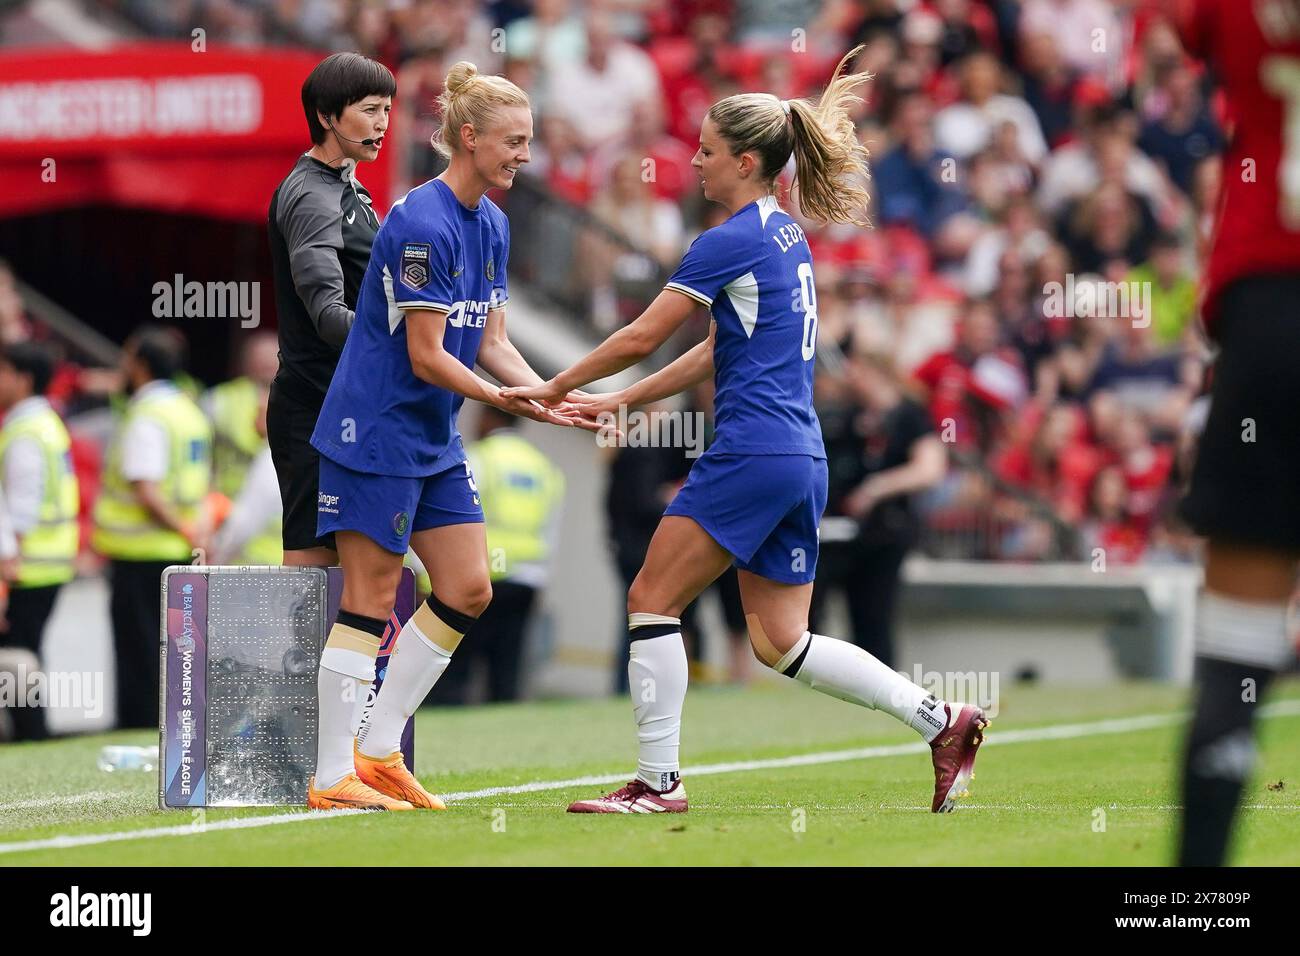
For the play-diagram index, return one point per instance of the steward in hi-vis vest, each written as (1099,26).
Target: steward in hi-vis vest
(151,510)
(41,500)
(234,408)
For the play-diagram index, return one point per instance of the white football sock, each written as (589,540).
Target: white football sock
(340,698)
(1243,632)
(414,667)
(657,675)
(347,668)
(843,670)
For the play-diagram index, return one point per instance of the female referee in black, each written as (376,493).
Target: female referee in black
(321,227)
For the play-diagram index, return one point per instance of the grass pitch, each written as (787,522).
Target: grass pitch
(1070,776)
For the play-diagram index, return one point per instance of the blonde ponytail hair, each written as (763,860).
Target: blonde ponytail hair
(469,96)
(830,162)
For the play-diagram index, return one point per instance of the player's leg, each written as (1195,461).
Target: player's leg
(451,543)
(1243,500)
(682,561)
(456,559)
(778,627)
(358,510)
(1242,641)
(776,588)
(347,671)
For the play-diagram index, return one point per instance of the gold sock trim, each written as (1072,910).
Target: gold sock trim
(435,630)
(349,638)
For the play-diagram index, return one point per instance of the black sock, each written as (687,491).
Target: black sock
(371,625)
(1218,756)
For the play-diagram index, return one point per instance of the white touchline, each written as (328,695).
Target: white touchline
(1286,708)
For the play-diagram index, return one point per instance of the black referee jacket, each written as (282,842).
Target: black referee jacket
(321,227)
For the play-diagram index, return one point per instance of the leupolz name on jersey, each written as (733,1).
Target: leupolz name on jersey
(788,235)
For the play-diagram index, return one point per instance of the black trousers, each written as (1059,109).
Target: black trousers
(29,609)
(869,576)
(497,642)
(137,623)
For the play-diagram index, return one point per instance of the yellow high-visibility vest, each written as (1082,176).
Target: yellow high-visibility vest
(235,441)
(48,547)
(519,489)
(124,529)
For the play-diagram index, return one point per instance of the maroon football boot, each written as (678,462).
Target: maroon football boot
(636,797)
(953,753)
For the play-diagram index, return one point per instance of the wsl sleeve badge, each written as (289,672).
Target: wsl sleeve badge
(415,265)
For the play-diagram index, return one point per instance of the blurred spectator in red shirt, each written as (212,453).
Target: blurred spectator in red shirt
(1145,465)
(971,386)
(666,160)
(1109,526)
(692,77)
(559,160)
(1057,463)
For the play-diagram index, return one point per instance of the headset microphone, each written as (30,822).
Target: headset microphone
(363,142)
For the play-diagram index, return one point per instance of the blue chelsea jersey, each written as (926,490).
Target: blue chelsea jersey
(430,252)
(754,271)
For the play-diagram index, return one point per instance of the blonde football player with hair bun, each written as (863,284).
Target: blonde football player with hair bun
(393,471)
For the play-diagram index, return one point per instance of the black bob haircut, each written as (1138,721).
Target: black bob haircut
(34,359)
(338,81)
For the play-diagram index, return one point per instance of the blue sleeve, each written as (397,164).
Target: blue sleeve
(420,263)
(500,294)
(712,261)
